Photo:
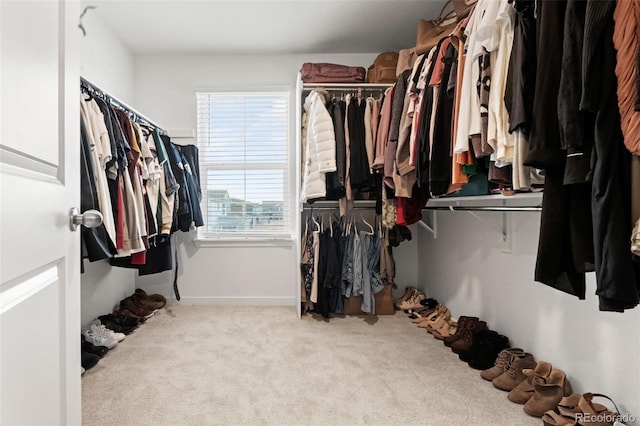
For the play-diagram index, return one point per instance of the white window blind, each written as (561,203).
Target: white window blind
(244,161)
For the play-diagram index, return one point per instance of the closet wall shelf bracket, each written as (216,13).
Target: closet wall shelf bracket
(500,204)
(432,226)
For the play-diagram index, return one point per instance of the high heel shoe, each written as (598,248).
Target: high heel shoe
(580,410)
(441,311)
(440,321)
(595,414)
(448,328)
(570,405)
(423,315)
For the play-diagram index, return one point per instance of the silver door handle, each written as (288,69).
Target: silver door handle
(88,219)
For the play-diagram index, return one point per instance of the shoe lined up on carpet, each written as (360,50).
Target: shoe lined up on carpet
(106,331)
(543,391)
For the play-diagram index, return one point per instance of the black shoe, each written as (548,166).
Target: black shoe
(490,345)
(113,326)
(89,360)
(429,303)
(93,349)
(481,339)
(123,320)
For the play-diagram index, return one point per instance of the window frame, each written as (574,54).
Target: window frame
(234,239)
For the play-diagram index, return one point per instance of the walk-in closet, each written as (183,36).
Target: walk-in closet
(354,212)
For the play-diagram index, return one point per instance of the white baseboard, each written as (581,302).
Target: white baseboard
(234,301)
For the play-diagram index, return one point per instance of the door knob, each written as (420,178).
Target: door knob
(88,219)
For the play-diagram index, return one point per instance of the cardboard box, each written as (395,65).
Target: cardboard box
(384,303)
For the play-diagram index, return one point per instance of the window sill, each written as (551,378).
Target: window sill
(243,242)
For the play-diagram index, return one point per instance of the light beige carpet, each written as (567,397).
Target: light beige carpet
(197,365)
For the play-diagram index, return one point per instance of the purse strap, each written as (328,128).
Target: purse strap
(451,15)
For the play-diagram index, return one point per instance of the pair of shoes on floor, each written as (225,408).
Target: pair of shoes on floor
(442,325)
(542,390)
(440,314)
(89,347)
(141,305)
(112,324)
(88,361)
(507,372)
(577,409)
(485,347)
(99,335)
(410,300)
(462,339)
(419,316)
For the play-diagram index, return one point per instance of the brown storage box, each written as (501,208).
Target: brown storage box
(384,303)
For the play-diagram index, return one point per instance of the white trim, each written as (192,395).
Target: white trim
(234,301)
(16,294)
(243,89)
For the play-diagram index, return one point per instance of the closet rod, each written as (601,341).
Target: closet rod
(122,105)
(485,208)
(330,86)
(337,208)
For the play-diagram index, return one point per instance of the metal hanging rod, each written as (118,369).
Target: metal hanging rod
(119,104)
(305,208)
(349,86)
(486,208)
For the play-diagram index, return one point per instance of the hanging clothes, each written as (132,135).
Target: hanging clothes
(96,243)
(320,146)
(336,180)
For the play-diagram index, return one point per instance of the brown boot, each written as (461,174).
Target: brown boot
(502,363)
(463,324)
(547,393)
(524,391)
(464,343)
(513,374)
(150,301)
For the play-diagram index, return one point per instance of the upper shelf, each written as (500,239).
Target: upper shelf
(528,201)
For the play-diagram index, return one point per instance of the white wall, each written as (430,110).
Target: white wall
(465,269)
(106,62)
(165,92)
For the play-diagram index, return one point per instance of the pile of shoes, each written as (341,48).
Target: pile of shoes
(542,390)
(106,331)
(410,300)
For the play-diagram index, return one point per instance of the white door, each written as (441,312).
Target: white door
(39,183)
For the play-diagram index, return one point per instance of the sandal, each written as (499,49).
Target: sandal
(568,406)
(591,416)
(441,311)
(423,315)
(431,316)
(449,328)
(551,418)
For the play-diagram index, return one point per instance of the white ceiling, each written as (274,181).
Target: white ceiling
(264,26)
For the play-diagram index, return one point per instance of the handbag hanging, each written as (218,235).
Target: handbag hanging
(463,7)
(430,32)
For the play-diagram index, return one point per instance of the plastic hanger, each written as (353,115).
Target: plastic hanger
(315,221)
(331,223)
(372,231)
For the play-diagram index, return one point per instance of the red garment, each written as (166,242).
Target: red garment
(410,209)
(139,258)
